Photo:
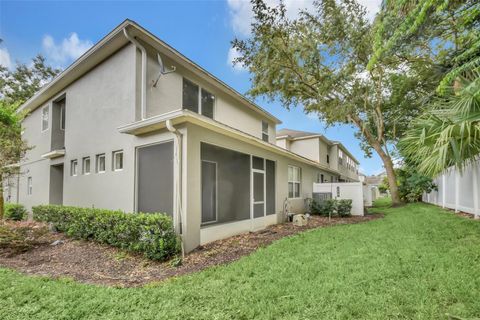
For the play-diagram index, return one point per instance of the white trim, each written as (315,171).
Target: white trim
(299,196)
(73,172)
(62,114)
(216,193)
(52,154)
(29,186)
(84,172)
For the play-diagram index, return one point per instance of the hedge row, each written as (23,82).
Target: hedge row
(151,234)
(332,207)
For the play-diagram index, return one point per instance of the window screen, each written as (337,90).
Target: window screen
(45,117)
(265,131)
(257,163)
(233,183)
(209,191)
(270,186)
(190,96)
(155,178)
(208,101)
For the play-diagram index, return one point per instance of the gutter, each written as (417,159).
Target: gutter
(177,181)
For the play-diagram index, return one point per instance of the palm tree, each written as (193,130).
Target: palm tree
(448,134)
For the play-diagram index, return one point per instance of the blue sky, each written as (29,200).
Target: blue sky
(201,30)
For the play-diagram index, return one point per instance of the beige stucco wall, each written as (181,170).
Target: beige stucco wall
(308,148)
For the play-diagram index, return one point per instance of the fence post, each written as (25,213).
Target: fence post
(475,179)
(457,188)
(443,189)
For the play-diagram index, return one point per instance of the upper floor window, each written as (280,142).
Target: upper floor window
(29,186)
(340,156)
(73,168)
(294,181)
(45,117)
(62,116)
(117,160)
(100,163)
(86,165)
(197,100)
(328,158)
(265,131)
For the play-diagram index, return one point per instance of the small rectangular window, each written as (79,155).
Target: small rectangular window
(86,165)
(208,102)
(62,117)
(29,186)
(73,168)
(117,160)
(265,131)
(100,163)
(294,181)
(328,158)
(190,96)
(45,117)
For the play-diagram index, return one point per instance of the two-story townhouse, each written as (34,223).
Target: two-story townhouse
(136,126)
(318,148)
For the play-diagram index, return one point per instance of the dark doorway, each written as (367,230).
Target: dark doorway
(56,184)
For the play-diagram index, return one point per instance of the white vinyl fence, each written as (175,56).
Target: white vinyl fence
(344,190)
(458,190)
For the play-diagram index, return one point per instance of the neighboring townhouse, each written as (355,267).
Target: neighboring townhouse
(134,125)
(318,148)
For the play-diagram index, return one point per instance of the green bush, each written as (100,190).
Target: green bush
(331,207)
(151,234)
(344,207)
(15,212)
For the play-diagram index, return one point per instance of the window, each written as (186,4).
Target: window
(208,101)
(29,186)
(117,160)
(265,131)
(328,158)
(340,157)
(197,100)
(294,181)
(62,117)
(45,117)
(73,168)
(100,163)
(190,96)
(86,165)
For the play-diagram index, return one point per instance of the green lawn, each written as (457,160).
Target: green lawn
(419,262)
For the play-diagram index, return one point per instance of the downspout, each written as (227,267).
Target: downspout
(144,73)
(178,181)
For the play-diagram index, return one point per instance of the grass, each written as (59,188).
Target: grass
(419,262)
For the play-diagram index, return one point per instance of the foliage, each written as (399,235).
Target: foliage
(12,147)
(383,187)
(331,207)
(449,133)
(319,62)
(17,86)
(413,185)
(427,254)
(18,237)
(15,212)
(151,234)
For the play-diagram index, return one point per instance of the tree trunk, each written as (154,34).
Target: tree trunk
(391,176)
(2,202)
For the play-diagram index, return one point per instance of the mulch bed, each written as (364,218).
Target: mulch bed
(95,263)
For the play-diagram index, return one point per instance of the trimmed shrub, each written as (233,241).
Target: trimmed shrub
(332,207)
(15,212)
(323,208)
(152,234)
(344,207)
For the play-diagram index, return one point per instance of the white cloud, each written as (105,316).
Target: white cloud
(68,50)
(5,59)
(232,55)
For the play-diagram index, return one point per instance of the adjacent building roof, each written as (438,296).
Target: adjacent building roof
(297,135)
(114,41)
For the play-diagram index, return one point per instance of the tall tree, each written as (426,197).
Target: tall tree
(17,86)
(12,147)
(319,61)
(448,132)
